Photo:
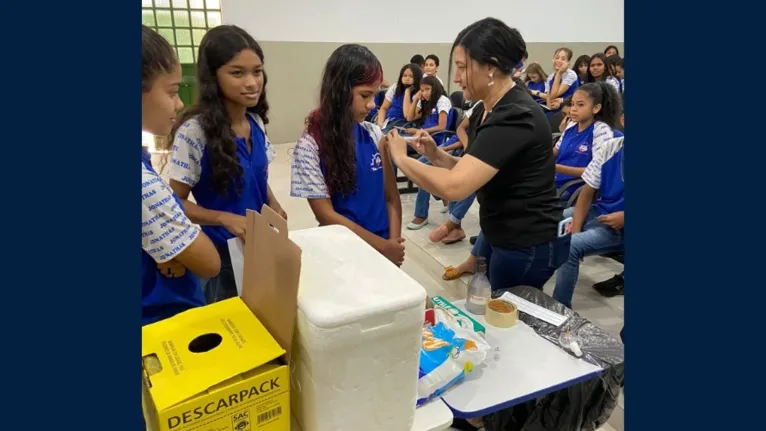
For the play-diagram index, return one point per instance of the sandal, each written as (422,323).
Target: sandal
(439,233)
(451,273)
(455,235)
(416,226)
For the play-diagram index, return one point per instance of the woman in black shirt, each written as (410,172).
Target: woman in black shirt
(509,162)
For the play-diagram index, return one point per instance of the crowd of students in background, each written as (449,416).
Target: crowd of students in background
(219,153)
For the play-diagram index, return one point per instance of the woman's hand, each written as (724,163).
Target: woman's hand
(397,146)
(564,67)
(424,144)
(418,95)
(411,131)
(556,103)
(236,224)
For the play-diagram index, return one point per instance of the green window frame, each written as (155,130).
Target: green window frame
(182,22)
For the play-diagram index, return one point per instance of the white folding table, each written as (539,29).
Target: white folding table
(528,367)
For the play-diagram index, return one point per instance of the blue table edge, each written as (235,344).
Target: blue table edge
(510,403)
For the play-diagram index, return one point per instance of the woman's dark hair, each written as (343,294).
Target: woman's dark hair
(536,69)
(490,41)
(332,123)
(157,57)
(219,45)
(616,50)
(566,50)
(566,102)
(583,59)
(418,59)
(417,76)
(437,91)
(607,72)
(434,58)
(605,95)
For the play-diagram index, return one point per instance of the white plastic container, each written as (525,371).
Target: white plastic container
(357,342)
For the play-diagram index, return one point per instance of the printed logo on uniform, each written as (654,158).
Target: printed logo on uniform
(377,162)
(582,148)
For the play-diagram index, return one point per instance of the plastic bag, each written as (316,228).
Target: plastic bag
(447,355)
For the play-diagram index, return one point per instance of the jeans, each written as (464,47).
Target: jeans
(480,247)
(423,199)
(458,210)
(595,239)
(223,285)
(529,266)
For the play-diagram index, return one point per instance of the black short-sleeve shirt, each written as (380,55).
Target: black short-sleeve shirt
(518,206)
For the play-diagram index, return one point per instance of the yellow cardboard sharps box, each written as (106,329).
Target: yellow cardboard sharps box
(214,368)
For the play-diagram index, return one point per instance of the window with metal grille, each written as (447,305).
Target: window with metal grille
(182,22)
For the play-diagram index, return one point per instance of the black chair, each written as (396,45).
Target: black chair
(573,198)
(458,100)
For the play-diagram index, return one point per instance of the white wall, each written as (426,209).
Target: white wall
(408,21)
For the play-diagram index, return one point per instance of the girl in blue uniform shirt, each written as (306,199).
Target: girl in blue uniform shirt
(562,83)
(432,105)
(597,227)
(174,251)
(598,71)
(581,67)
(536,78)
(617,69)
(399,97)
(595,112)
(221,153)
(340,163)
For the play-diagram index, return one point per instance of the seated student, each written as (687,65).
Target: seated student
(594,114)
(391,112)
(451,231)
(340,164)
(419,61)
(611,50)
(536,78)
(598,227)
(432,105)
(566,109)
(220,150)
(598,71)
(617,68)
(174,252)
(431,67)
(581,67)
(562,83)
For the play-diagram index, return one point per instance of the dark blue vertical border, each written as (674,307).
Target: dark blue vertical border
(70,192)
(694,244)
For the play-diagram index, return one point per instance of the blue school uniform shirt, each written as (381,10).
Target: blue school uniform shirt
(537,86)
(366,205)
(576,148)
(190,164)
(165,233)
(606,173)
(432,119)
(396,111)
(569,78)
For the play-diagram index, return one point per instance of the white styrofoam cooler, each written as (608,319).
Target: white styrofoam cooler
(357,341)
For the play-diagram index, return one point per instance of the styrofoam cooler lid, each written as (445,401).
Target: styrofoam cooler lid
(343,279)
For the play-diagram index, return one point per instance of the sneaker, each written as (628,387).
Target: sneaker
(613,287)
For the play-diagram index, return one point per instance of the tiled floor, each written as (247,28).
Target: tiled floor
(425,261)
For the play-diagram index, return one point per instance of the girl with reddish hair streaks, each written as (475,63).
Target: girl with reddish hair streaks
(341,163)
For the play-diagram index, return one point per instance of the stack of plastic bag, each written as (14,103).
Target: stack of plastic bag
(448,353)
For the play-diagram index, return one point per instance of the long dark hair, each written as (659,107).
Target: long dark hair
(607,72)
(217,48)
(583,59)
(437,91)
(490,41)
(605,95)
(616,50)
(417,75)
(157,57)
(332,123)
